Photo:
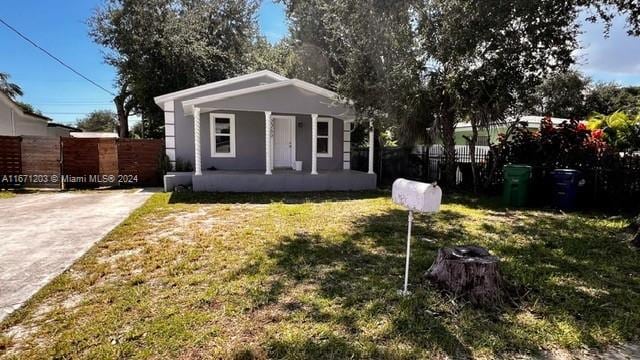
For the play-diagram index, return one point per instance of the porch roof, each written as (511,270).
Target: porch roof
(289,96)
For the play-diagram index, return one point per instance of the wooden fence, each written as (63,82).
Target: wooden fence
(33,161)
(40,156)
(10,157)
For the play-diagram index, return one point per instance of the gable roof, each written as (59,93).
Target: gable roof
(16,107)
(194,90)
(187,105)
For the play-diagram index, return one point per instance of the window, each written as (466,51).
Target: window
(223,135)
(325,137)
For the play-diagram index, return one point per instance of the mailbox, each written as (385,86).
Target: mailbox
(416,196)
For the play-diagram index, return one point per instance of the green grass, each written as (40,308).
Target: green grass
(6,194)
(315,276)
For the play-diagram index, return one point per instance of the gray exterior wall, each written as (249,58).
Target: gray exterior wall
(288,99)
(303,145)
(250,146)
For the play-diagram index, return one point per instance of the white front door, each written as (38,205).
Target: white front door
(282,141)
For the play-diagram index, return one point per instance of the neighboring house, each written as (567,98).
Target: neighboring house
(261,132)
(55,129)
(15,121)
(490,137)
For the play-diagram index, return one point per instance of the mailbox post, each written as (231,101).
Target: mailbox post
(415,196)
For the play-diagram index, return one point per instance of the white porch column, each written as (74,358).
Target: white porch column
(314,144)
(267,142)
(371,146)
(196,135)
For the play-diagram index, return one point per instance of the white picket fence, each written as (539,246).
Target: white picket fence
(436,155)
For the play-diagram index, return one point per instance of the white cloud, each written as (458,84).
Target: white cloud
(613,58)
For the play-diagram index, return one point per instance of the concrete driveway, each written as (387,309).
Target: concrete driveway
(42,234)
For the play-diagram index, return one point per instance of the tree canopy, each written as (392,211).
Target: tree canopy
(160,46)
(99,121)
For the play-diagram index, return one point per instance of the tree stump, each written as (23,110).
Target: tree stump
(468,271)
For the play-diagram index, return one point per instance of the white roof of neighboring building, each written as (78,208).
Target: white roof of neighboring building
(194,90)
(102,135)
(533,120)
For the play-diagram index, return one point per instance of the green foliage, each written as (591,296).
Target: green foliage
(609,98)
(366,51)
(28,108)
(561,95)
(280,58)
(621,130)
(98,120)
(570,145)
(160,46)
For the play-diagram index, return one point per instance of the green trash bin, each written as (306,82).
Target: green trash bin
(516,185)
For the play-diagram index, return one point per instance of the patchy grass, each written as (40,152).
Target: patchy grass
(6,194)
(315,276)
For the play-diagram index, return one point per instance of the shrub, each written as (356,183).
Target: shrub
(569,145)
(620,130)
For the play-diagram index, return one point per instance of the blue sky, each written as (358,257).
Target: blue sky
(60,27)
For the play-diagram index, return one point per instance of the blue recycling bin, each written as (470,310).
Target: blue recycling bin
(565,188)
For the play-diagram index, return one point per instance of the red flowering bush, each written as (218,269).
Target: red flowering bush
(568,145)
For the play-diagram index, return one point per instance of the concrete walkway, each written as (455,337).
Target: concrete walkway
(42,234)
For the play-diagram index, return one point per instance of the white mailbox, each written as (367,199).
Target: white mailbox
(416,196)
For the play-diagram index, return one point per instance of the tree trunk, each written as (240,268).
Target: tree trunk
(472,141)
(123,109)
(468,271)
(123,117)
(447,132)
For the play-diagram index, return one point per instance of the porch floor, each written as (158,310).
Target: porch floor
(282,180)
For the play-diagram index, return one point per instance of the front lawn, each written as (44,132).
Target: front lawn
(303,277)
(6,194)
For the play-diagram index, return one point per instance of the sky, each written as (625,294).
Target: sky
(60,27)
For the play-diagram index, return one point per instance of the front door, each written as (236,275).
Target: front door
(282,141)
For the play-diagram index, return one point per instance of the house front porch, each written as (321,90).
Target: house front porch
(281,180)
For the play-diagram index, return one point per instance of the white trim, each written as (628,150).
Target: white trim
(267,142)
(197,142)
(190,91)
(314,144)
(169,130)
(292,124)
(329,136)
(171,154)
(293,82)
(232,135)
(371,146)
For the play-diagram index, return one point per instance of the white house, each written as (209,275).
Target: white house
(14,121)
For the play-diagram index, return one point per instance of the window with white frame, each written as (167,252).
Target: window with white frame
(223,135)
(325,137)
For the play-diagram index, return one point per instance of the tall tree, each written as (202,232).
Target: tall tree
(160,46)
(607,98)
(365,50)
(8,88)
(561,95)
(98,120)
(489,66)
